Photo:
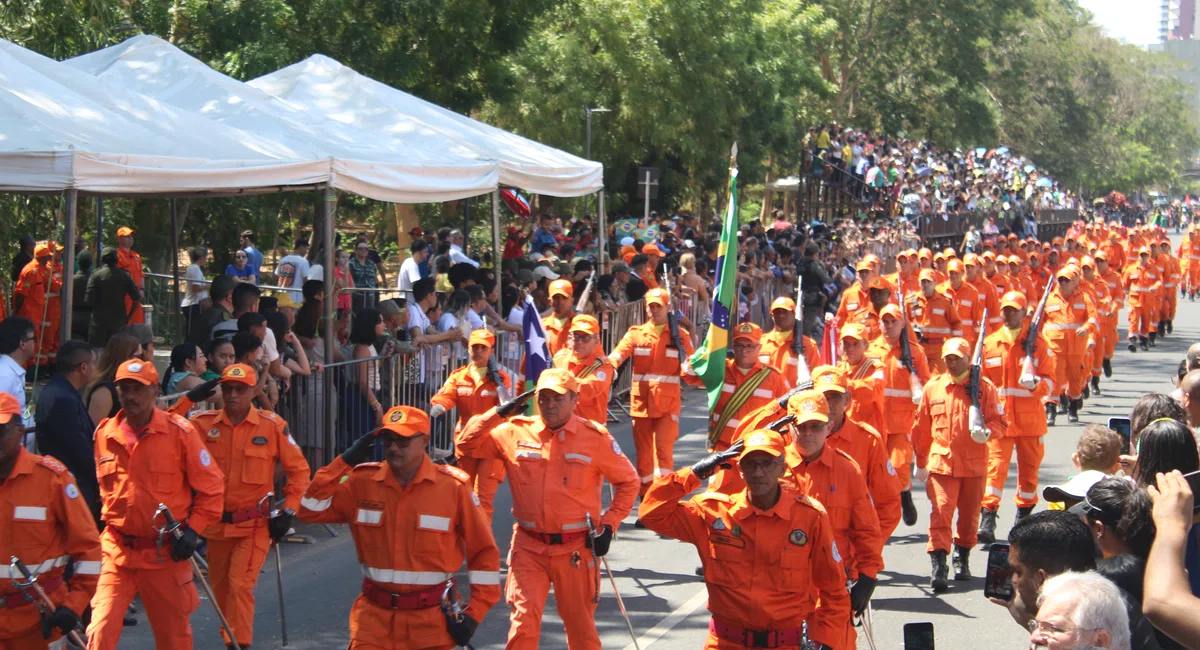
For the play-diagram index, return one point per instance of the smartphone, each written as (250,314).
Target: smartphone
(998,580)
(1193,480)
(1121,426)
(918,636)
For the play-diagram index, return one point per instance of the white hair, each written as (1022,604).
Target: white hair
(1098,604)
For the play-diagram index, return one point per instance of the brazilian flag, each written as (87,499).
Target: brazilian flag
(709,360)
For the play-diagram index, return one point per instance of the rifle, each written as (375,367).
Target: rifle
(803,372)
(672,323)
(1035,329)
(493,373)
(975,415)
(906,359)
(587,293)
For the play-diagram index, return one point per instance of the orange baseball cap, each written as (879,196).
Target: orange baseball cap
(1014,299)
(871,258)
(879,282)
(955,266)
(783,302)
(239,373)
(926,274)
(924,252)
(902,255)
(938,256)
(988,255)
(748,331)
(1087,261)
(557,380)
(1001,259)
(405,421)
(949,252)
(808,406)
(9,406)
(43,249)
(1069,272)
(484,337)
(1143,251)
(1100,255)
(956,346)
(763,440)
(854,331)
(863,265)
(124,231)
(651,249)
(829,378)
(562,288)
(970,259)
(890,310)
(140,371)
(657,297)
(586,324)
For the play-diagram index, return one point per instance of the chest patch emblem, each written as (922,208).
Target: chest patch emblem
(261,441)
(798,537)
(718,524)
(214,433)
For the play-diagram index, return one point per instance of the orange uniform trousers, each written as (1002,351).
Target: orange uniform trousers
(1030,451)
(1141,317)
(1168,302)
(900,452)
(168,596)
(486,476)
(654,447)
(377,628)
(30,641)
(575,578)
(233,566)
(1071,372)
(950,493)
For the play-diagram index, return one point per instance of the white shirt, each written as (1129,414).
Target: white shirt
(419,321)
(291,272)
(193,275)
(12,381)
(317,272)
(270,347)
(457,256)
(409,273)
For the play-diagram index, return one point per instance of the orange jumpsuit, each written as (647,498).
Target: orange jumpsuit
(132,262)
(472,392)
(238,545)
(47,525)
(770,389)
(868,317)
(1024,416)
(899,408)
(1116,294)
(968,307)
(1191,255)
(410,540)
(764,571)
(937,320)
(1072,352)
(854,299)
(991,302)
(655,399)
(167,464)
(558,332)
(38,286)
(1098,291)
(866,447)
(595,376)
(957,464)
(866,391)
(1172,277)
(555,476)
(777,353)
(1141,284)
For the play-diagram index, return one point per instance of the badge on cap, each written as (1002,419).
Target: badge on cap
(135,367)
(397,416)
(826,379)
(237,372)
(798,537)
(758,438)
(808,406)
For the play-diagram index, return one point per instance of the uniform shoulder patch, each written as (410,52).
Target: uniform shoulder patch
(595,426)
(181,422)
(52,464)
(270,415)
(455,472)
(812,503)
(714,496)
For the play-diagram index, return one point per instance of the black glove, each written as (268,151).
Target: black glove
(461,630)
(860,594)
(203,391)
(601,541)
(280,524)
(709,464)
(782,423)
(360,451)
(185,545)
(513,405)
(63,618)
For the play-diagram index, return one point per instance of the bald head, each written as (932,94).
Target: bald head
(1190,386)
(1193,357)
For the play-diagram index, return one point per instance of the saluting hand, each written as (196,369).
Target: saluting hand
(515,404)
(717,460)
(360,451)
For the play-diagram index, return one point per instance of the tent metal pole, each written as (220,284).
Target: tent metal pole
(602,236)
(497,252)
(175,263)
(68,285)
(328,204)
(99,226)
(467,226)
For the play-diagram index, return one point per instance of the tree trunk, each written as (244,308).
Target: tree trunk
(766,202)
(406,219)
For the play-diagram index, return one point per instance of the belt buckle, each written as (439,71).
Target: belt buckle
(395,597)
(758,638)
(555,538)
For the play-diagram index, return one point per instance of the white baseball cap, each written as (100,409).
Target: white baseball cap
(1074,489)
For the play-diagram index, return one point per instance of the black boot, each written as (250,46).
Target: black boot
(1073,410)
(962,563)
(907,508)
(1096,385)
(1086,393)
(1153,335)
(1051,413)
(1022,513)
(1062,404)
(1171,326)
(939,573)
(987,526)
(1144,343)
(1108,365)
(1133,345)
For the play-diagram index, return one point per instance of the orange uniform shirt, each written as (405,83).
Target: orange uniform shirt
(968,307)
(558,332)
(869,451)
(866,391)
(169,464)
(595,375)
(854,299)
(771,389)
(132,262)
(991,301)
(898,405)
(657,368)
(1140,283)
(935,316)
(837,483)
(1064,316)
(470,393)
(34,285)
(1003,355)
(941,439)
(777,352)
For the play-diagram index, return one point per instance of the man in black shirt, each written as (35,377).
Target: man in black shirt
(221,293)
(627,276)
(23,257)
(64,428)
(106,293)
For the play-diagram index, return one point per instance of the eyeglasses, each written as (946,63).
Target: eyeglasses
(1049,628)
(28,338)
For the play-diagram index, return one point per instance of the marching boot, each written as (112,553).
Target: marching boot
(1132,344)
(1153,335)
(1073,410)
(1051,413)
(987,527)
(1144,344)
(1022,513)
(1086,392)
(1171,326)
(1108,365)
(962,564)
(1096,385)
(907,508)
(1062,404)
(939,573)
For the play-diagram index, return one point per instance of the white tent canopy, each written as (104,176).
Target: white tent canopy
(407,169)
(62,129)
(338,92)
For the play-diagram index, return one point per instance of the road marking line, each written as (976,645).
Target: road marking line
(674,618)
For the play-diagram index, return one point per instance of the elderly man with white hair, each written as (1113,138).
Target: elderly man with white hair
(1079,610)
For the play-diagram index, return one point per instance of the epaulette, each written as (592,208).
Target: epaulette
(367,466)
(811,502)
(212,412)
(181,422)
(714,496)
(457,473)
(595,426)
(52,464)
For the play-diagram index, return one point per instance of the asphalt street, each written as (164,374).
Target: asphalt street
(655,576)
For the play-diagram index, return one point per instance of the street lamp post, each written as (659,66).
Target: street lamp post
(588,110)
